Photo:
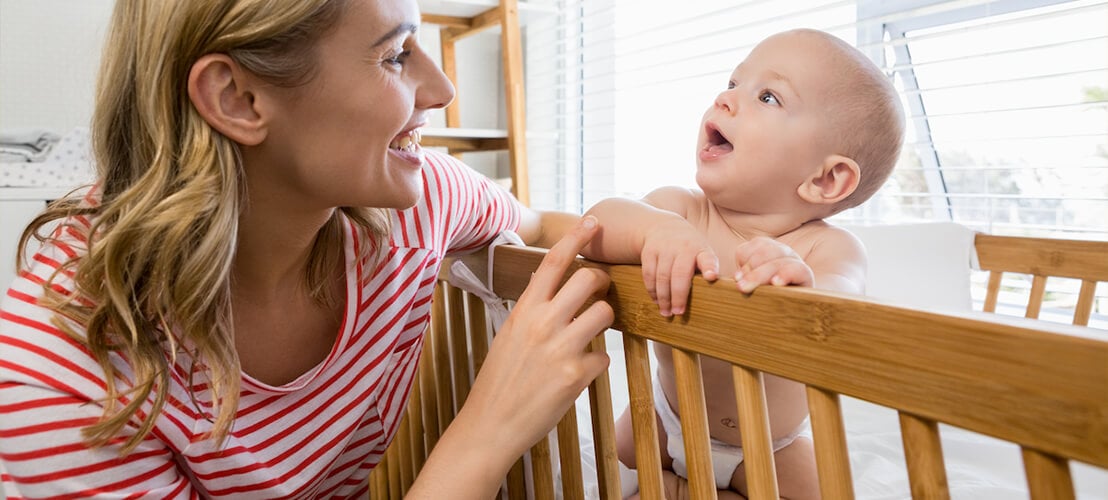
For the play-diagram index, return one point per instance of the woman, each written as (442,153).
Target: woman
(217,317)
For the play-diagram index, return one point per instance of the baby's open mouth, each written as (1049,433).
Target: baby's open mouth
(717,143)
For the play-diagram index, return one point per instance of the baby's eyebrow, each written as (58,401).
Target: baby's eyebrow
(773,75)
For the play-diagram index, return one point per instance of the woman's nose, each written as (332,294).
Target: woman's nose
(435,90)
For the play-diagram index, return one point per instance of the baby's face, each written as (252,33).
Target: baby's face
(765,133)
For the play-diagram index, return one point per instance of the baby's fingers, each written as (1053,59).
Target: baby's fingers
(778,272)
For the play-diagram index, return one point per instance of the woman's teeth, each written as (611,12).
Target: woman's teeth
(407,142)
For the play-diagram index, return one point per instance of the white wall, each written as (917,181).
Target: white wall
(49,53)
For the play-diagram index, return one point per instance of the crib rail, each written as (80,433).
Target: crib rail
(1035,384)
(1041,259)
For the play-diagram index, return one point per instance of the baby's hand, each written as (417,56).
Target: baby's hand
(765,260)
(671,255)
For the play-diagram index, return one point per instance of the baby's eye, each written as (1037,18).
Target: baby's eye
(730,85)
(768,98)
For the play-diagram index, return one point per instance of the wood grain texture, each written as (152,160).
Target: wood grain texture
(1043,257)
(923,453)
(640,391)
(761,474)
(893,356)
(829,437)
(604,430)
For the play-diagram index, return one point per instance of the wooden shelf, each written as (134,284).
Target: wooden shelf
(458,19)
(463,140)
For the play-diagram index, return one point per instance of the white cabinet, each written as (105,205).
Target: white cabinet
(18,205)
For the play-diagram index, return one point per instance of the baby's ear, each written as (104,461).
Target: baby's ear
(835,179)
(221,91)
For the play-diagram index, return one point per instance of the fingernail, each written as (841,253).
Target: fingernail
(588,222)
(738,276)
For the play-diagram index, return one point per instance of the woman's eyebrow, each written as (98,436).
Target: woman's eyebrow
(403,28)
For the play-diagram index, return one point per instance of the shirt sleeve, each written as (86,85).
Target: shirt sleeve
(472,207)
(50,389)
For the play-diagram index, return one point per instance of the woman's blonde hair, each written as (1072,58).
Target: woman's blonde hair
(156,278)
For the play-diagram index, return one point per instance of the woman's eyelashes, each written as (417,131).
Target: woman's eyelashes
(397,58)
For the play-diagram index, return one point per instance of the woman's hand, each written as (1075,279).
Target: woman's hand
(536,368)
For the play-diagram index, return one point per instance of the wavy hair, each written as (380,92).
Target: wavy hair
(155,280)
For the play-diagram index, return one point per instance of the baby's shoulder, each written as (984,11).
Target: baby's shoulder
(825,238)
(677,199)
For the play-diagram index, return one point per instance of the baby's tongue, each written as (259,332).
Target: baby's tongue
(719,149)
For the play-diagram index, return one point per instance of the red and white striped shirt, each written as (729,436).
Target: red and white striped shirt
(318,436)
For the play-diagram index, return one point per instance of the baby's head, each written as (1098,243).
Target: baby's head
(806,117)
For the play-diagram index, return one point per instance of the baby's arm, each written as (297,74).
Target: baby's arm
(837,261)
(654,232)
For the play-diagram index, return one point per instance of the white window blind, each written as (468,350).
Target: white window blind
(1007,102)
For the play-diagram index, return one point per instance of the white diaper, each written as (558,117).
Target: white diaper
(725,457)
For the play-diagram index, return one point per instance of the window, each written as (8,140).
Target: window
(1007,102)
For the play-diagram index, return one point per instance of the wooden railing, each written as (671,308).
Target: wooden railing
(1036,384)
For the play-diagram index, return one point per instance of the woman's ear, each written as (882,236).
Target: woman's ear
(836,179)
(221,91)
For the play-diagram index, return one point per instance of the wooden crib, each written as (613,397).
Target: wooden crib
(1043,386)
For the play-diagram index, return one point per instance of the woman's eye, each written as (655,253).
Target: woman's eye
(768,98)
(398,59)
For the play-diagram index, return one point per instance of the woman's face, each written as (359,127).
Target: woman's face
(349,137)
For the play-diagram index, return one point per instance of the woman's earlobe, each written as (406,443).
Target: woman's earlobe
(220,90)
(836,179)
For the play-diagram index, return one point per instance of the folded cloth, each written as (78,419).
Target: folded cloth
(35,140)
(463,277)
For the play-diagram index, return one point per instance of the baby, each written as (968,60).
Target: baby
(807,127)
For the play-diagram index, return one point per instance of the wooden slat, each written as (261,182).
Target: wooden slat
(694,423)
(415,417)
(640,391)
(890,355)
(448,50)
(1084,308)
(377,483)
(992,292)
(448,21)
(1043,256)
(511,51)
(569,457)
(604,430)
(478,331)
(829,436)
(761,474)
(477,24)
(517,481)
(459,347)
(440,347)
(923,453)
(465,144)
(395,492)
(402,455)
(1035,302)
(542,474)
(429,399)
(1048,476)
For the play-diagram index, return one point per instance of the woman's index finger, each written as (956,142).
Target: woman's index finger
(548,277)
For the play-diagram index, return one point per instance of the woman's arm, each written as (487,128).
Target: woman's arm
(536,368)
